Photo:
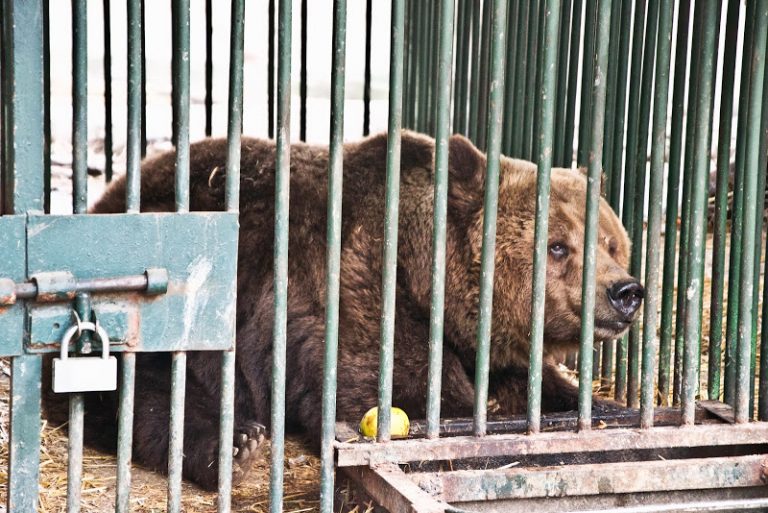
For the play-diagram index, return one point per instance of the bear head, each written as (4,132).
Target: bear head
(618,295)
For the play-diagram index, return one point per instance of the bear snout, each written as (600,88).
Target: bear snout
(626,297)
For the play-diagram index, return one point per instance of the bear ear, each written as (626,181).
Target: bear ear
(585,172)
(466,166)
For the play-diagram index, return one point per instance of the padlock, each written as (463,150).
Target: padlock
(88,373)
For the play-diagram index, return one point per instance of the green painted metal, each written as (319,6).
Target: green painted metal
(530,80)
(616,134)
(76,424)
(587,82)
(498,21)
(108,142)
(737,220)
(721,202)
(573,68)
(612,174)
(483,97)
(439,223)
(12,263)
(699,184)
(595,169)
(303,73)
(176,430)
(333,253)
(762,403)
(367,73)
(658,145)
(562,83)
(125,432)
(208,67)
(636,261)
(47,107)
(232,204)
(79,107)
(133,144)
(509,79)
(23,191)
(757,55)
(542,219)
(520,74)
(461,77)
(143,41)
(423,58)
(683,273)
(271,69)
(24,448)
(282,195)
(673,194)
(181,103)
(145,242)
(535,141)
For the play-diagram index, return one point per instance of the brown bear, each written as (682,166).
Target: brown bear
(618,294)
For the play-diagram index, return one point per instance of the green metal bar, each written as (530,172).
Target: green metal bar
(303,74)
(573,69)
(483,78)
(421,113)
(461,78)
(635,78)
(411,63)
(521,72)
(108,142)
(620,113)
(562,83)
(757,54)
(509,79)
(282,186)
(607,356)
(612,174)
(367,73)
(208,67)
(47,107)
(762,404)
(498,21)
(143,80)
(23,152)
(530,80)
(699,189)
(176,430)
(271,69)
(673,194)
(232,200)
(721,202)
(658,145)
(125,432)
(542,219)
(431,96)
(226,430)
(79,107)
(683,274)
(535,141)
(734,270)
(636,261)
(181,103)
(595,157)
(439,223)
(133,144)
(333,252)
(587,81)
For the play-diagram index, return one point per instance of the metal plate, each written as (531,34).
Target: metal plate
(199,251)
(12,267)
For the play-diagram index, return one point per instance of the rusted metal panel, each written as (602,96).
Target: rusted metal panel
(197,250)
(355,454)
(391,488)
(595,479)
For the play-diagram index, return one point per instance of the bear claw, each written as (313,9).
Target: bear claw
(248,440)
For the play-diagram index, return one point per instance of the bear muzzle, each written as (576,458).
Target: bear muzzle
(626,298)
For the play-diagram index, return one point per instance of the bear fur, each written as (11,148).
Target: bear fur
(361,287)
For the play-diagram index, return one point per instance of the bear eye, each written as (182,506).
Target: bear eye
(558,250)
(612,248)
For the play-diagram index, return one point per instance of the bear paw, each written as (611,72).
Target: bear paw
(247,444)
